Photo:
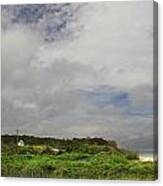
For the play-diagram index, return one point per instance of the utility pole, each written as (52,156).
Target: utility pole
(17,136)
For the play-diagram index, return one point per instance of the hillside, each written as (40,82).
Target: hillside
(92,158)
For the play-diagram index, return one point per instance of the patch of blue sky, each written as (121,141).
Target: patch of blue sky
(121,99)
(101,97)
(104,96)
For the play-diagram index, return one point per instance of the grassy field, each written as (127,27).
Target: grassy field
(77,158)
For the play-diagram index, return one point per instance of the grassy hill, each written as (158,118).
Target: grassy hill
(86,158)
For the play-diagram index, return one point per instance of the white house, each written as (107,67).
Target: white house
(20,143)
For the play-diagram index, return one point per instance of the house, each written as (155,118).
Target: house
(20,143)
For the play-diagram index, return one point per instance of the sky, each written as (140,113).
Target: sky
(79,70)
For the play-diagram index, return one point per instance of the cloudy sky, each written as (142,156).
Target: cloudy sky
(78,70)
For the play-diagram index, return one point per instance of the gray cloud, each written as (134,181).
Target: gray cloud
(52,22)
(97,84)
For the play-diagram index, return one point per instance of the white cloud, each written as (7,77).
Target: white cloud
(42,82)
(114,43)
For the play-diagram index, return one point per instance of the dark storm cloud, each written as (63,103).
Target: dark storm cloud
(52,21)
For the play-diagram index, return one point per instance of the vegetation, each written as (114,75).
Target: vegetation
(77,158)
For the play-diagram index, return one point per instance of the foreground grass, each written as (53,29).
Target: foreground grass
(30,161)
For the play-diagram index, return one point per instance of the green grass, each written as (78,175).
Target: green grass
(94,162)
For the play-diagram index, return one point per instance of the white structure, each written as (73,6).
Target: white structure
(20,143)
(146,158)
(55,150)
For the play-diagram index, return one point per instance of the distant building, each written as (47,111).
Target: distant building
(55,150)
(20,143)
